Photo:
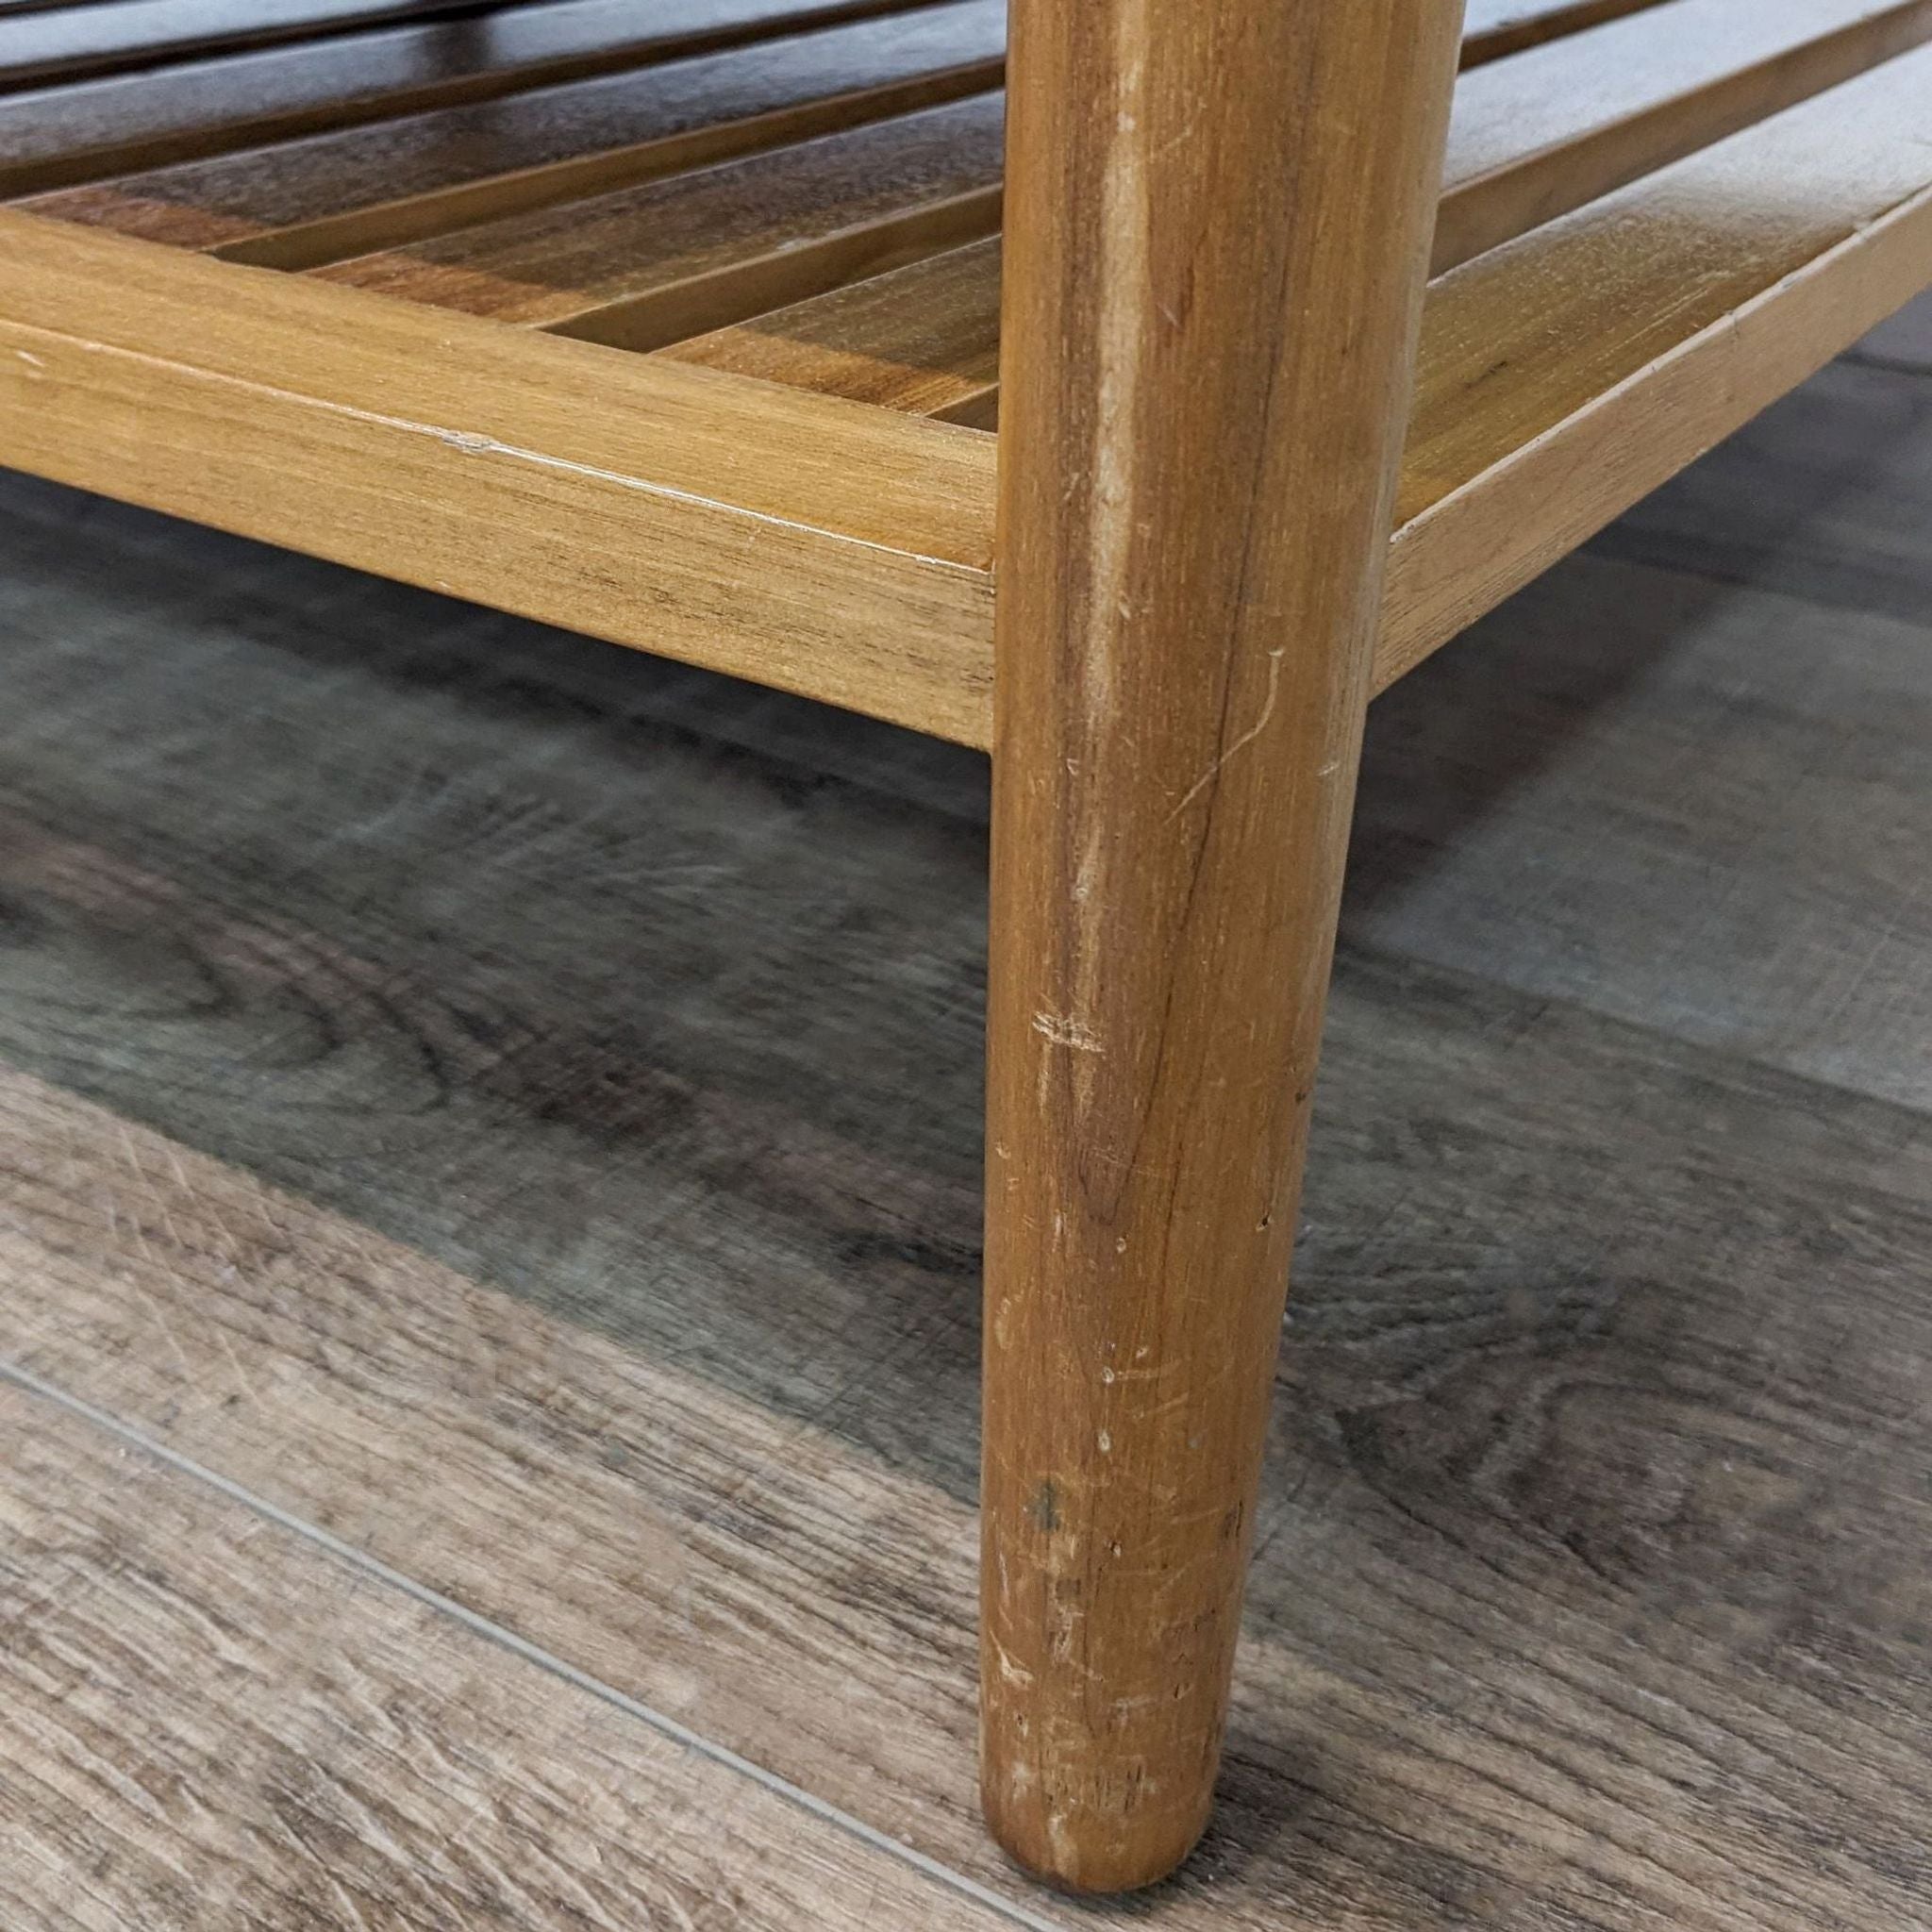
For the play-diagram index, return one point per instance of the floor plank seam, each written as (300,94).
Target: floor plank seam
(667,1726)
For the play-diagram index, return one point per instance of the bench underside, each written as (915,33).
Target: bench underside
(689,338)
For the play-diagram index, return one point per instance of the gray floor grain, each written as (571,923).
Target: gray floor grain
(515,1105)
(208,1723)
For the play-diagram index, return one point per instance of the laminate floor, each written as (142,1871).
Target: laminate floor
(489,1204)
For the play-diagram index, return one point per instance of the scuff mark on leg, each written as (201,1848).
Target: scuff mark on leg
(1068,1033)
(1045,1506)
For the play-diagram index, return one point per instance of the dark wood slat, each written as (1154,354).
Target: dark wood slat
(1531,137)
(1495,29)
(62,135)
(377,186)
(647,265)
(115,36)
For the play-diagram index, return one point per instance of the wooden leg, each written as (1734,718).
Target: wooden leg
(1219,212)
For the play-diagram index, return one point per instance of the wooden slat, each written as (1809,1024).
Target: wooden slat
(188,1700)
(923,338)
(88,130)
(373,188)
(72,42)
(1539,135)
(1495,28)
(63,134)
(804,542)
(647,265)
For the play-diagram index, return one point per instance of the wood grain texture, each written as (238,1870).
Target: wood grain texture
(836,546)
(1588,1589)
(923,338)
(1208,333)
(1568,374)
(1530,138)
(93,130)
(1790,925)
(353,192)
(100,128)
(646,265)
(207,1720)
(1561,377)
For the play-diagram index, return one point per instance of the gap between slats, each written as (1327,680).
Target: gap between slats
(92,130)
(81,129)
(1532,137)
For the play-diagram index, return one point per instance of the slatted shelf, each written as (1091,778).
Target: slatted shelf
(421,175)
(672,289)
(88,129)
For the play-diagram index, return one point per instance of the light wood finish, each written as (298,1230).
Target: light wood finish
(100,128)
(1560,379)
(923,338)
(763,531)
(1207,369)
(649,265)
(1211,307)
(218,1724)
(1510,459)
(1588,1587)
(1522,151)
(1567,376)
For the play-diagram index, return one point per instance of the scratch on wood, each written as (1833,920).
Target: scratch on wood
(1068,1033)
(1247,738)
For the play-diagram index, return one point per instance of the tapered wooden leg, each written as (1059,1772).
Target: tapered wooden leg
(1218,217)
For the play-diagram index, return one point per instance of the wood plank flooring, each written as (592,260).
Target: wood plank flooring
(512,1106)
(211,1723)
